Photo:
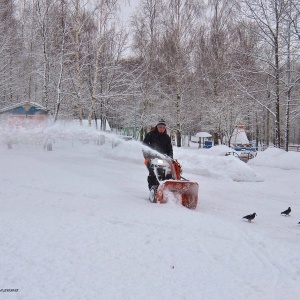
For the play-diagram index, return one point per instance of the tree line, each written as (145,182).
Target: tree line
(201,65)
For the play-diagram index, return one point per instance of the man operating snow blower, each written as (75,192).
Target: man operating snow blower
(164,179)
(157,139)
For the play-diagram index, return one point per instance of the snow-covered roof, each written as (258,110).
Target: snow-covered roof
(203,134)
(25,103)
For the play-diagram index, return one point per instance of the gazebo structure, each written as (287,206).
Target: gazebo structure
(204,139)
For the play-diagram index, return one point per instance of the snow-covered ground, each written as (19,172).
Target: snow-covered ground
(76,223)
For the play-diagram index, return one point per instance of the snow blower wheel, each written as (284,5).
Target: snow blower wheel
(152,196)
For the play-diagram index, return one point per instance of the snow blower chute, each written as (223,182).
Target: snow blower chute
(171,184)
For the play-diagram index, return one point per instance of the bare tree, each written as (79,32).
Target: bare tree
(11,54)
(146,26)
(43,14)
(292,76)
(269,18)
(216,62)
(63,21)
(178,33)
(105,11)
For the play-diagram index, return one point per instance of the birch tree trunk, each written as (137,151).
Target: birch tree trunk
(277,75)
(43,8)
(77,58)
(62,61)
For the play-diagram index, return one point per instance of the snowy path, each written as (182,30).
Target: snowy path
(77,225)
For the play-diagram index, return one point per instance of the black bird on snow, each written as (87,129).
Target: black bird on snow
(250,217)
(286,212)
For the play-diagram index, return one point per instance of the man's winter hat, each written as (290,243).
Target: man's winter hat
(161,123)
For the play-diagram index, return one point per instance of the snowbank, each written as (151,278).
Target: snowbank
(277,158)
(205,162)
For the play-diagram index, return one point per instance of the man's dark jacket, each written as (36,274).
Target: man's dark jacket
(160,142)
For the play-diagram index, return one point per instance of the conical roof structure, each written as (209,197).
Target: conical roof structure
(239,136)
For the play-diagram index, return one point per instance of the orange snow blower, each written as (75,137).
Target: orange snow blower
(171,184)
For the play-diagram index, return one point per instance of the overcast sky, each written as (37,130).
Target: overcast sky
(127,9)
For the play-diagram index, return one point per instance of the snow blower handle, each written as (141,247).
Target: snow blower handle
(166,157)
(175,167)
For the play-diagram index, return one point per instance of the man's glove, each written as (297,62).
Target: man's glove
(146,161)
